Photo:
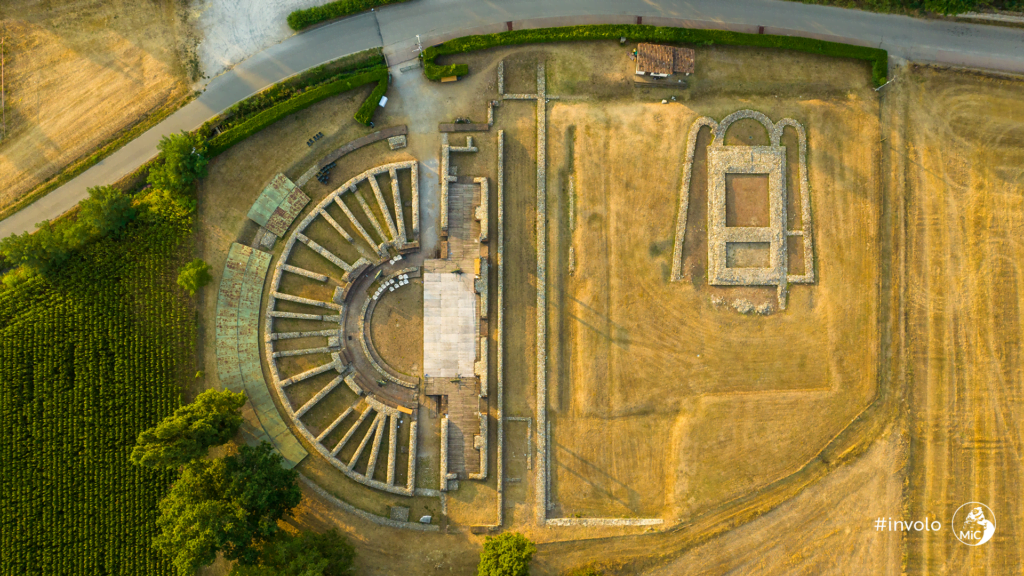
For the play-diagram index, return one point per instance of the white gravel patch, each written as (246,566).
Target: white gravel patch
(233,30)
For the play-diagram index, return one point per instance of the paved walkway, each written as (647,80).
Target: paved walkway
(975,45)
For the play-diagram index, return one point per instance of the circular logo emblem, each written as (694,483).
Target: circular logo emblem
(973,524)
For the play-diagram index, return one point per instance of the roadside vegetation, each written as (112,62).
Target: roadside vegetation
(879,59)
(941,7)
(302,19)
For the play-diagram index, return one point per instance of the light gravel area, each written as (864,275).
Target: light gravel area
(233,30)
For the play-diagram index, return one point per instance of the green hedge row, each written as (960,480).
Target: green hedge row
(369,106)
(230,137)
(301,19)
(367,61)
(643,33)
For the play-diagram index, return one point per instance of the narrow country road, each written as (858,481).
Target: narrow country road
(396,27)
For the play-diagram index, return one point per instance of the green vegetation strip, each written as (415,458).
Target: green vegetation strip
(642,33)
(90,356)
(234,135)
(83,164)
(301,19)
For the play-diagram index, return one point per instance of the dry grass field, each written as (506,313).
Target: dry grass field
(964,167)
(665,403)
(77,73)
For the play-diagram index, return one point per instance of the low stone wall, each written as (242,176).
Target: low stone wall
(480,443)
(540,505)
(480,286)
(444,173)
(443,476)
(684,194)
(500,352)
(781,275)
(482,211)
(604,522)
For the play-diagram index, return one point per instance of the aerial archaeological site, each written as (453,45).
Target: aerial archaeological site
(416,287)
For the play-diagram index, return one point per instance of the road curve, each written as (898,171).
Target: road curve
(395,28)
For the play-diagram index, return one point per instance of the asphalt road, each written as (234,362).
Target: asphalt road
(395,28)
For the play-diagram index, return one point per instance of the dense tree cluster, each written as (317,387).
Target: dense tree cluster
(230,505)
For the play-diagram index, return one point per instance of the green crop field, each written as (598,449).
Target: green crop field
(90,356)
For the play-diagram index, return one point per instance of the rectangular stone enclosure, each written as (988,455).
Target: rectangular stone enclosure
(740,251)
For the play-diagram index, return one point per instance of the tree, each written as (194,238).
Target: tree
(212,419)
(308,554)
(508,554)
(182,161)
(193,516)
(194,276)
(106,211)
(230,505)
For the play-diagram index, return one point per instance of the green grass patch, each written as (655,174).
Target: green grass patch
(878,58)
(302,19)
(90,355)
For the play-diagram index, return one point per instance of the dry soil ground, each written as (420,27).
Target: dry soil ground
(664,404)
(77,73)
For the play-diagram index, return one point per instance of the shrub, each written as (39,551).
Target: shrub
(950,7)
(365,113)
(230,137)
(340,69)
(301,19)
(194,276)
(508,554)
(644,33)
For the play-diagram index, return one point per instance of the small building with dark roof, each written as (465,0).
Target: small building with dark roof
(663,61)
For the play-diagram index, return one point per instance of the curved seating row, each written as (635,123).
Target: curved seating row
(327,319)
